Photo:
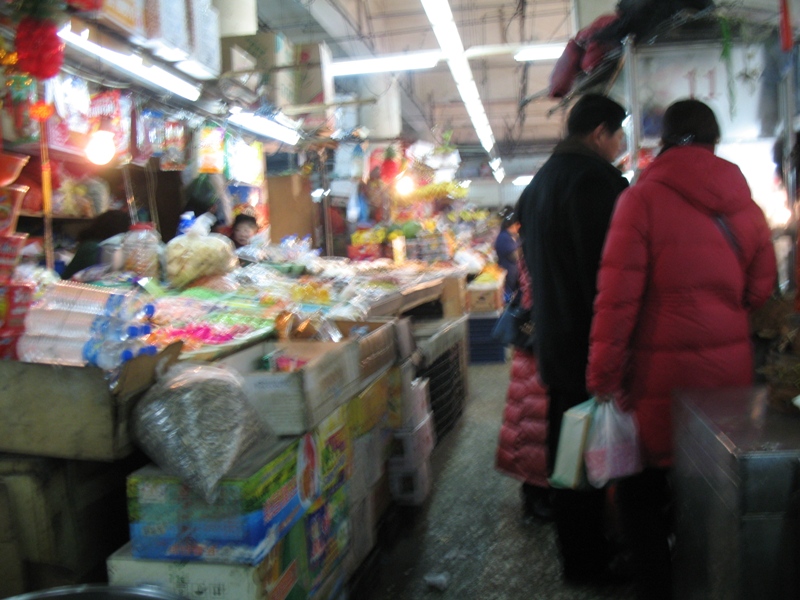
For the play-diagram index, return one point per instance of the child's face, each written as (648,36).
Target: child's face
(243,233)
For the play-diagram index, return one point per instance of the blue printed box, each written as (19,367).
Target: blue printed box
(259,500)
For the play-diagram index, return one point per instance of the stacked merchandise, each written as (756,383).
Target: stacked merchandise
(277,529)
(447,388)
(78,325)
(371,438)
(413,441)
(15,297)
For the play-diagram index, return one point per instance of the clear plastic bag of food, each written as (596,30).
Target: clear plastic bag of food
(612,445)
(199,254)
(195,422)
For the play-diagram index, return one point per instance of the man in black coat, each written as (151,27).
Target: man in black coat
(564,215)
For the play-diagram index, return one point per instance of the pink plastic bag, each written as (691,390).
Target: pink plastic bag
(612,446)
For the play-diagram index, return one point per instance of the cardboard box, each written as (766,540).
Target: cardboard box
(367,409)
(296,402)
(69,412)
(412,446)
(124,16)
(327,537)
(166,25)
(408,406)
(454,296)
(335,450)
(314,84)
(410,486)
(483,298)
(369,463)
(376,343)
(282,575)
(262,497)
(363,536)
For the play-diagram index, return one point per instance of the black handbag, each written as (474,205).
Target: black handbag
(514,326)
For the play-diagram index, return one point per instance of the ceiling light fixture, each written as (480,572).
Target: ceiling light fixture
(388,63)
(522,180)
(540,52)
(263,126)
(130,64)
(446,32)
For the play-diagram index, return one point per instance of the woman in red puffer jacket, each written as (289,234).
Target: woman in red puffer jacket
(688,255)
(522,447)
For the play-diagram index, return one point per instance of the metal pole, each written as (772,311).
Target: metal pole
(633,103)
(47,196)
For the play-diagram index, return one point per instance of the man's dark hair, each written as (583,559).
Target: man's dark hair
(689,122)
(592,110)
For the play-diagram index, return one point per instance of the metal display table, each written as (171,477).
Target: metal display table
(737,487)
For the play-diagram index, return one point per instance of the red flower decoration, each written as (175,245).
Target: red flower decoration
(40,51)
(41,111)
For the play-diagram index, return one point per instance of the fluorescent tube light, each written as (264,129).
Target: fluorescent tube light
(263,126)
(438,11)
(499,175)
(130,64)
(522,180)
(384,64)
(540,52)
(446,32)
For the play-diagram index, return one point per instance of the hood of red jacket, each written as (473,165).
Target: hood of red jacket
(713,184)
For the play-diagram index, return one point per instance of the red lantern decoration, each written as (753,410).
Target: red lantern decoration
(40,52)
(41,111)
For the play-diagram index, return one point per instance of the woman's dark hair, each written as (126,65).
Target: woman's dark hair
(507,216)
(592,110)
(106,225)
(243,219)
(689,122)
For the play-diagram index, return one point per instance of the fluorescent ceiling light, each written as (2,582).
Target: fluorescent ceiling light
(385,64)
(499,175)
(437,11)
(540,52)
(131,64)
(446,32)
(263,126)
(522,180)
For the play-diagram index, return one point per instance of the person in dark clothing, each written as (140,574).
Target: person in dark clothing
(506,246)
(564,214)
(102,227)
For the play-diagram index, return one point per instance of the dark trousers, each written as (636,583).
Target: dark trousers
(645,502)
(579,514)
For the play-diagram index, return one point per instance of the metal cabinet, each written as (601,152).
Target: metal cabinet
(737,488)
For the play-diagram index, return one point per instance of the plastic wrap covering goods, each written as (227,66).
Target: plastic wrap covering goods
(194,422)
(199,253)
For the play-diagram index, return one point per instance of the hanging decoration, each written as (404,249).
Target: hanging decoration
(40,52)
(41,111)
(390,167)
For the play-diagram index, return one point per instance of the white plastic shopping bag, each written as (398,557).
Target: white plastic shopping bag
(612,448)
(569,471)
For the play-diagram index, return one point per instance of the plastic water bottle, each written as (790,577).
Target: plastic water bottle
(52,350)
(186,221)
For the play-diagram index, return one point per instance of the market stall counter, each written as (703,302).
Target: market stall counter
(738,504)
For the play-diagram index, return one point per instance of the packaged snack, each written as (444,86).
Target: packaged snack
(173,155)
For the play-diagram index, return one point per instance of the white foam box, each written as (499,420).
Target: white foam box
(410,486)
(205,58)
(282,575)
(295,402)
(411,447)
(368,463)
(363,536)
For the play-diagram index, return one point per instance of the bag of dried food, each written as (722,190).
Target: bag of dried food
(195,422)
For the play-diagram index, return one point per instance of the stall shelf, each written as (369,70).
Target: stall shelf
(738,502)
(407,298)
(70,412)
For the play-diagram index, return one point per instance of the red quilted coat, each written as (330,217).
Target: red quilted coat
(674,294)
(522,447)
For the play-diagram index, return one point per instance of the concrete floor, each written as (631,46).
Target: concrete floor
(471,528)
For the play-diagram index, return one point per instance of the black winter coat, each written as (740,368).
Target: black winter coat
(564,215)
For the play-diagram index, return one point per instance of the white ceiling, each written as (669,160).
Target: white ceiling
(430,103)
